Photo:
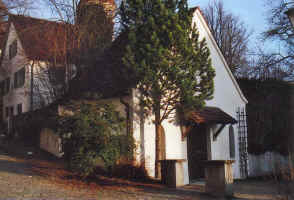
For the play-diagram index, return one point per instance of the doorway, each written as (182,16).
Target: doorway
(197,151)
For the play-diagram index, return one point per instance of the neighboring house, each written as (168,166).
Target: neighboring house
(34,65)
(219,130)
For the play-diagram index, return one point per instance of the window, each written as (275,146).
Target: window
(232,141)
(11,111)
(6,111)
(12,49)
(57,75)
(19,109)
(2,88)
(6,85)
(19,78)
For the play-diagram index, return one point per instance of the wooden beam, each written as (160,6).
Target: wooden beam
(218,131)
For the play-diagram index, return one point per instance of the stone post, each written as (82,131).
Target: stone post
(219,177)
(172,172)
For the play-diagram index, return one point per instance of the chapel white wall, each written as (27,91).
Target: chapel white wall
(144,135)
(226,96)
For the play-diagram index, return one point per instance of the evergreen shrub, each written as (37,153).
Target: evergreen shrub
(93,136)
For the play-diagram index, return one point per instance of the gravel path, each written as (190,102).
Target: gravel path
(43,177)
(22,178)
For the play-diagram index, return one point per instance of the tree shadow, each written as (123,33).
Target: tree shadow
(15,167)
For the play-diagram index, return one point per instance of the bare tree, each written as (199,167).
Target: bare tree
(280,30)
(18,6)
(230,33)
(263,65)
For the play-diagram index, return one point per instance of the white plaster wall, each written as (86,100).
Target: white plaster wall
(144,134)
(18,95)
(51,142)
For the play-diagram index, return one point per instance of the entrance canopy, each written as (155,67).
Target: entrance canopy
(211,115)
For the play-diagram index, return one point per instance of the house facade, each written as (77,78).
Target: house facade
(32,65)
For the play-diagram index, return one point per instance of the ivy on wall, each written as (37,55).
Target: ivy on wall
(268,114)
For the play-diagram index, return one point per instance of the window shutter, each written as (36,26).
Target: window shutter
(232,141)
(15,79)
(2,85)
(21,77)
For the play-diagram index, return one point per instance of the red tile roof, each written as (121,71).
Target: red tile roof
(112,2)
(44,40)
(211,115)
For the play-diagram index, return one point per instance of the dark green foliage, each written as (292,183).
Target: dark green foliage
(93,134)
(172,64)
(268,111)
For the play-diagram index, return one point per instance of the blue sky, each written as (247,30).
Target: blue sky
(251,12)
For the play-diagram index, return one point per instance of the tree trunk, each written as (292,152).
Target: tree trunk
(157,143)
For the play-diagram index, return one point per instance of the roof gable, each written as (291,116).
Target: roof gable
(198,13)
(43,40)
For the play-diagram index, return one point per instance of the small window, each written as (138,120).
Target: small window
(6,85)
(19,78)
(232,141)
(13,49)
(6,111)
(11,111)
(19,109)
(57,75)
(2,88)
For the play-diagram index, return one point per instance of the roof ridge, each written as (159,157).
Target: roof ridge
(36,18)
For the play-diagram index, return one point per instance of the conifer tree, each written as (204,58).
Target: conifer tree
(172,64)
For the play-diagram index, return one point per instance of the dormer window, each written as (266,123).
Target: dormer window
(12,49)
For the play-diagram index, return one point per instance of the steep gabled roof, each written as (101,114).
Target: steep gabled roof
(42,39)
(196,10)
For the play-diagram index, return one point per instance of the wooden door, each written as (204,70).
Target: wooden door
(197,151)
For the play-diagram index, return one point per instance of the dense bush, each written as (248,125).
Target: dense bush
(94,134)
(269,115)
